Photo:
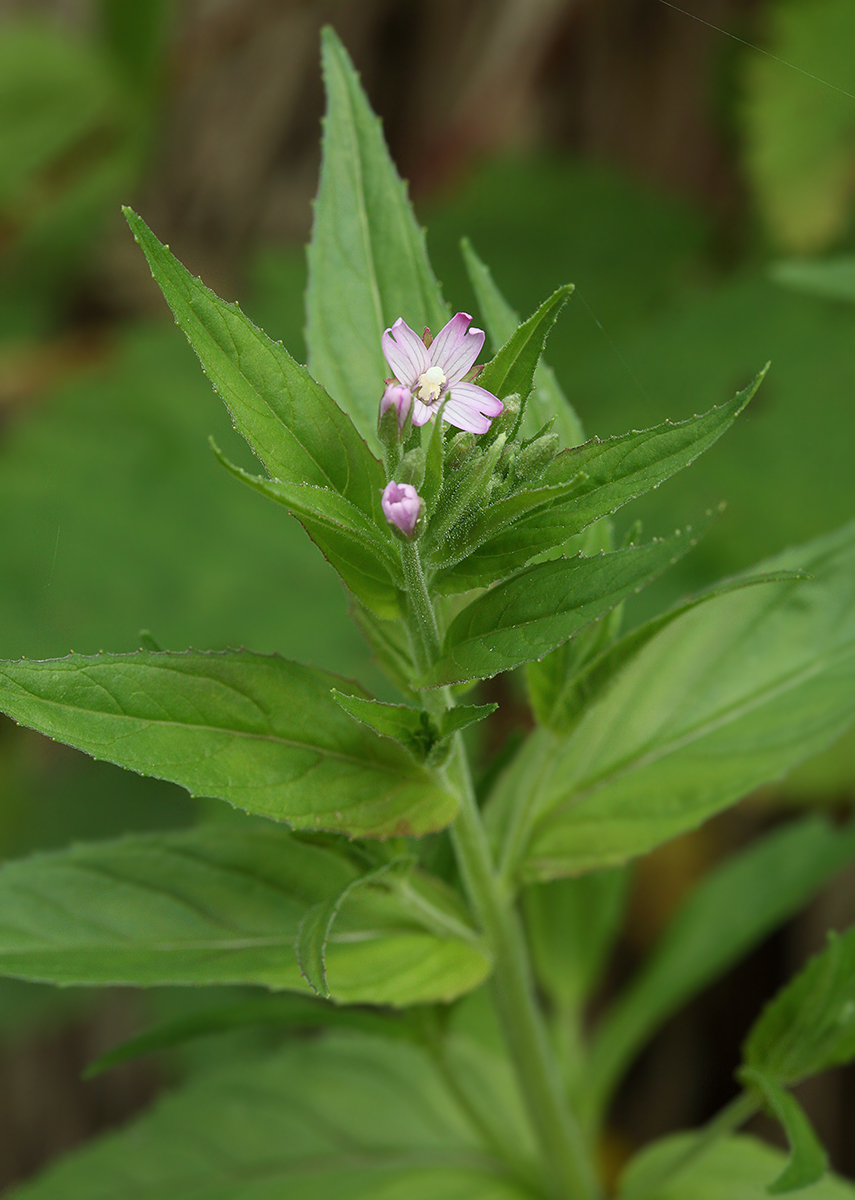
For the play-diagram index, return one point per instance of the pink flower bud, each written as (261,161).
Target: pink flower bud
(401,505)
(401,399)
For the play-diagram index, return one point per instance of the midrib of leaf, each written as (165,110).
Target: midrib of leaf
(726,716)
(368,247)
(376,764)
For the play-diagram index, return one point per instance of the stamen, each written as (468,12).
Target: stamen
(431,384)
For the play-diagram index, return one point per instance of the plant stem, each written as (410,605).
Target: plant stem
(522,1021)
(557,1130)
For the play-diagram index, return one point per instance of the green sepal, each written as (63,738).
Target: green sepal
(434,456)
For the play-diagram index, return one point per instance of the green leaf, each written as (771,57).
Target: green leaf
(733,908)
(256,730)
(558,702)
(363,555)
(290,422)
(539,608)
(345,1117)
(738,1168)
(283,1011)
(810,1025)
(224,905)
(547,679)
(727,697)
(572,924)
(367,259)
(808,1160)
(512,370)
(833,278)
(547,400)
(580,486)
(315,932)
(412,726)
(464,494)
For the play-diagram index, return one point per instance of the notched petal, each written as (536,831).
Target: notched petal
(405,352)
(456,347)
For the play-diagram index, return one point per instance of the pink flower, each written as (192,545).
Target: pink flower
(401,505)
(434,374)
(401,399)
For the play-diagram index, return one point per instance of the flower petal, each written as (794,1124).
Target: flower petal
(405,352)
(463,417)
(454,350)
(422,413)
(401,506)
(477,398)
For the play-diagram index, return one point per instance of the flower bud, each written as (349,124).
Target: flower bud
(534,458)
(506,460)
(411,468)
(402,507)
(395,409)
(458,450)
(508,419)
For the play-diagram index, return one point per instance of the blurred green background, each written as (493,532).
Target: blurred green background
(662,166)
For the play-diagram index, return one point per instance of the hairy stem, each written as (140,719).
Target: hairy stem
(556,1128)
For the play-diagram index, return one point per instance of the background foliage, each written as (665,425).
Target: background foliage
(120,518)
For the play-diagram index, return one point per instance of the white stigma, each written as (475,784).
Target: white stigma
(430,385)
